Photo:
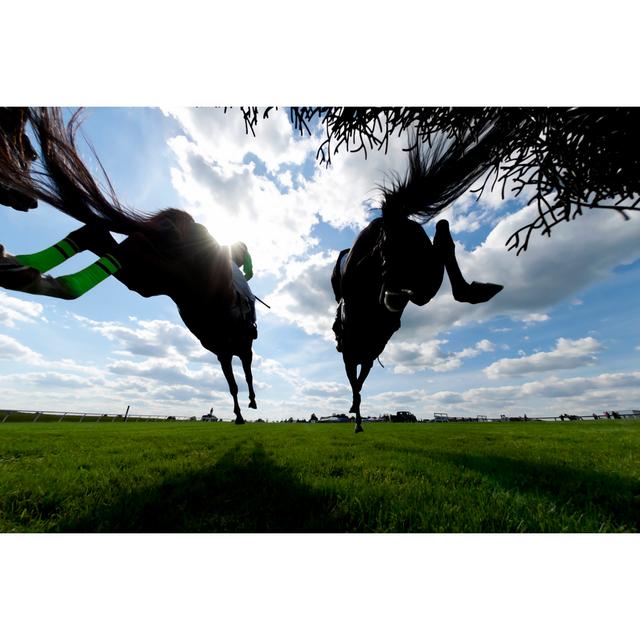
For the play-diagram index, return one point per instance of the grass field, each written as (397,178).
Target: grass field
(203,477)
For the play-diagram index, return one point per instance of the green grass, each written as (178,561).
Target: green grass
(186,476)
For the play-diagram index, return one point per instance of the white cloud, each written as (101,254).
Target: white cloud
(236,200)
(153,338)
(13,310)
(172,372)
(550,397)
(304,296)
(532,318)
(221,136)
(48,380)
(485,345)
(410,357)
(11,349)
(568,354)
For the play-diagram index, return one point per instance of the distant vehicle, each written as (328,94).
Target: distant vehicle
(209,417)
(402,416)
(336,417)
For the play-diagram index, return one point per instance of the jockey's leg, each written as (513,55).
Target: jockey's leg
(350,283)
(473,293)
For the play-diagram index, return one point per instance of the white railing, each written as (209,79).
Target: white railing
(86,416)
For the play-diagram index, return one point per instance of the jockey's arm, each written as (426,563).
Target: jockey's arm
(247,266)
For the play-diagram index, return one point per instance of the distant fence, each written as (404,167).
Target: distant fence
(23,415)
(615,415)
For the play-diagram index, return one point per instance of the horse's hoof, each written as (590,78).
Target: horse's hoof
(13,275)
(353,409)
(358,429)
(482,291)
(478,292)
(253,405)
(240,420)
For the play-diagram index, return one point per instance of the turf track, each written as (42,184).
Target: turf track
(204,477)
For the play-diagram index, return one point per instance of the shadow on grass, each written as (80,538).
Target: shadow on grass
(613,499)
(240,494)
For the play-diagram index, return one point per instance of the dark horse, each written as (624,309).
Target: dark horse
(393,261)
(167,253)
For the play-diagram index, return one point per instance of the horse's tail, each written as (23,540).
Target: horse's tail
(441,173)
(61,179)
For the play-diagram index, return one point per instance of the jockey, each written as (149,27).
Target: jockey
(240,257)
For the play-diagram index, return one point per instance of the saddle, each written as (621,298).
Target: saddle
(242,313)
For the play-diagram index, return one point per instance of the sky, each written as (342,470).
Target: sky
(561,336)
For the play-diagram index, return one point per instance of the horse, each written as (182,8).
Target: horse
(166,253)
(393,261)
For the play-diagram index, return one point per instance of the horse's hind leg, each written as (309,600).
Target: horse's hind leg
(227,369)
(246,367)
(462,291)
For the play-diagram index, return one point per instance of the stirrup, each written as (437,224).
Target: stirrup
(396,301)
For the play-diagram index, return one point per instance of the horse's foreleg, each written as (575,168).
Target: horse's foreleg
(227,369)
(462,291)
(356,380)
(246,366)
(25,272)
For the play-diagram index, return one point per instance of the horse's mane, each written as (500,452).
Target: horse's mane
(60,177)
(439,173)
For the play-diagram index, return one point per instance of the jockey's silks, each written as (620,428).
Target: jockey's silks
(247,266)
(49,258)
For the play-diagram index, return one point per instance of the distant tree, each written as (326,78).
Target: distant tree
(572,158)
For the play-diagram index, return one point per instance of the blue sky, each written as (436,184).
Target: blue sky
(561,337)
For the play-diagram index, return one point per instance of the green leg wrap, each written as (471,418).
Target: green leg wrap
(79,283)
(45,260)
